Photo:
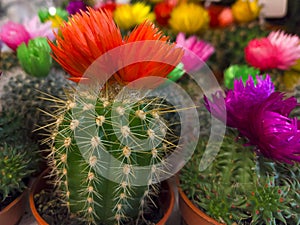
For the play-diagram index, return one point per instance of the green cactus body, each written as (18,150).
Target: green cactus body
(100,148)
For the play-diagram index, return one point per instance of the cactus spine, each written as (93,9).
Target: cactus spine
(134,132)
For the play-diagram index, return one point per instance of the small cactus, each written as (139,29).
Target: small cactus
(110,189)
(13,169)
(27,96)
(18,155)
(240,187)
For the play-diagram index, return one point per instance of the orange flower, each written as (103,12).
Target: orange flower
(87,36)
(84,38)
(153,57)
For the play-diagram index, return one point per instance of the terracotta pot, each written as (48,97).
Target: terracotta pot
(167,198)
(191,214)
(12,213)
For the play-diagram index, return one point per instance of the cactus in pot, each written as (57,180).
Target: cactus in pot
(18,156)
(106,147)
(254,179)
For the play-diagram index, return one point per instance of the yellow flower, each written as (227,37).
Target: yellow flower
(56,21)
(245,10)
(127,16)
(291,79)
(189,18)
(297,66)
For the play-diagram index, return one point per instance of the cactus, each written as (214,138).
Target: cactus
(18,155)
(8,60)
(240,187)
(13,169)
(133,131)
(26,95)
(230,43)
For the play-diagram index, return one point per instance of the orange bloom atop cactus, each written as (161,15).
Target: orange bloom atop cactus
(89,35)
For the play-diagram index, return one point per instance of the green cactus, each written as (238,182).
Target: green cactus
(94,186)
(18,155)
(13,169)
(230,43)
(28,97)
(240,187)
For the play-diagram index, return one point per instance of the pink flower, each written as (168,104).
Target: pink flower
(260,53)
(196,52)
(14,34)
(288,48)
(38,29)
(277,51)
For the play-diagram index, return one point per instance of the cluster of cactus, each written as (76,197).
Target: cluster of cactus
(18,155)
(107,154)
(27,96)
(230,43)
(240,187)
(8,60)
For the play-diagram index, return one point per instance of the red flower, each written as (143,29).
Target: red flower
(163,12)
(89,35)
(110,6)
(214,12)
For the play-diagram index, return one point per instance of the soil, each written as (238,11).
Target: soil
(8,200)
(52,210)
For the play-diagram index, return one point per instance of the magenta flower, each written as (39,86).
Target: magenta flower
(274,134)
(261,54)
(262,116)
(239,101)
(14,34)
(38,29)
(288,48)
(196,52)
(75,6)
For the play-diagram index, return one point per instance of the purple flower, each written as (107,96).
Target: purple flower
(14,34)
(274,134)
(196,52)
(261,115)
(75,6)
(38,29)
(240,100)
